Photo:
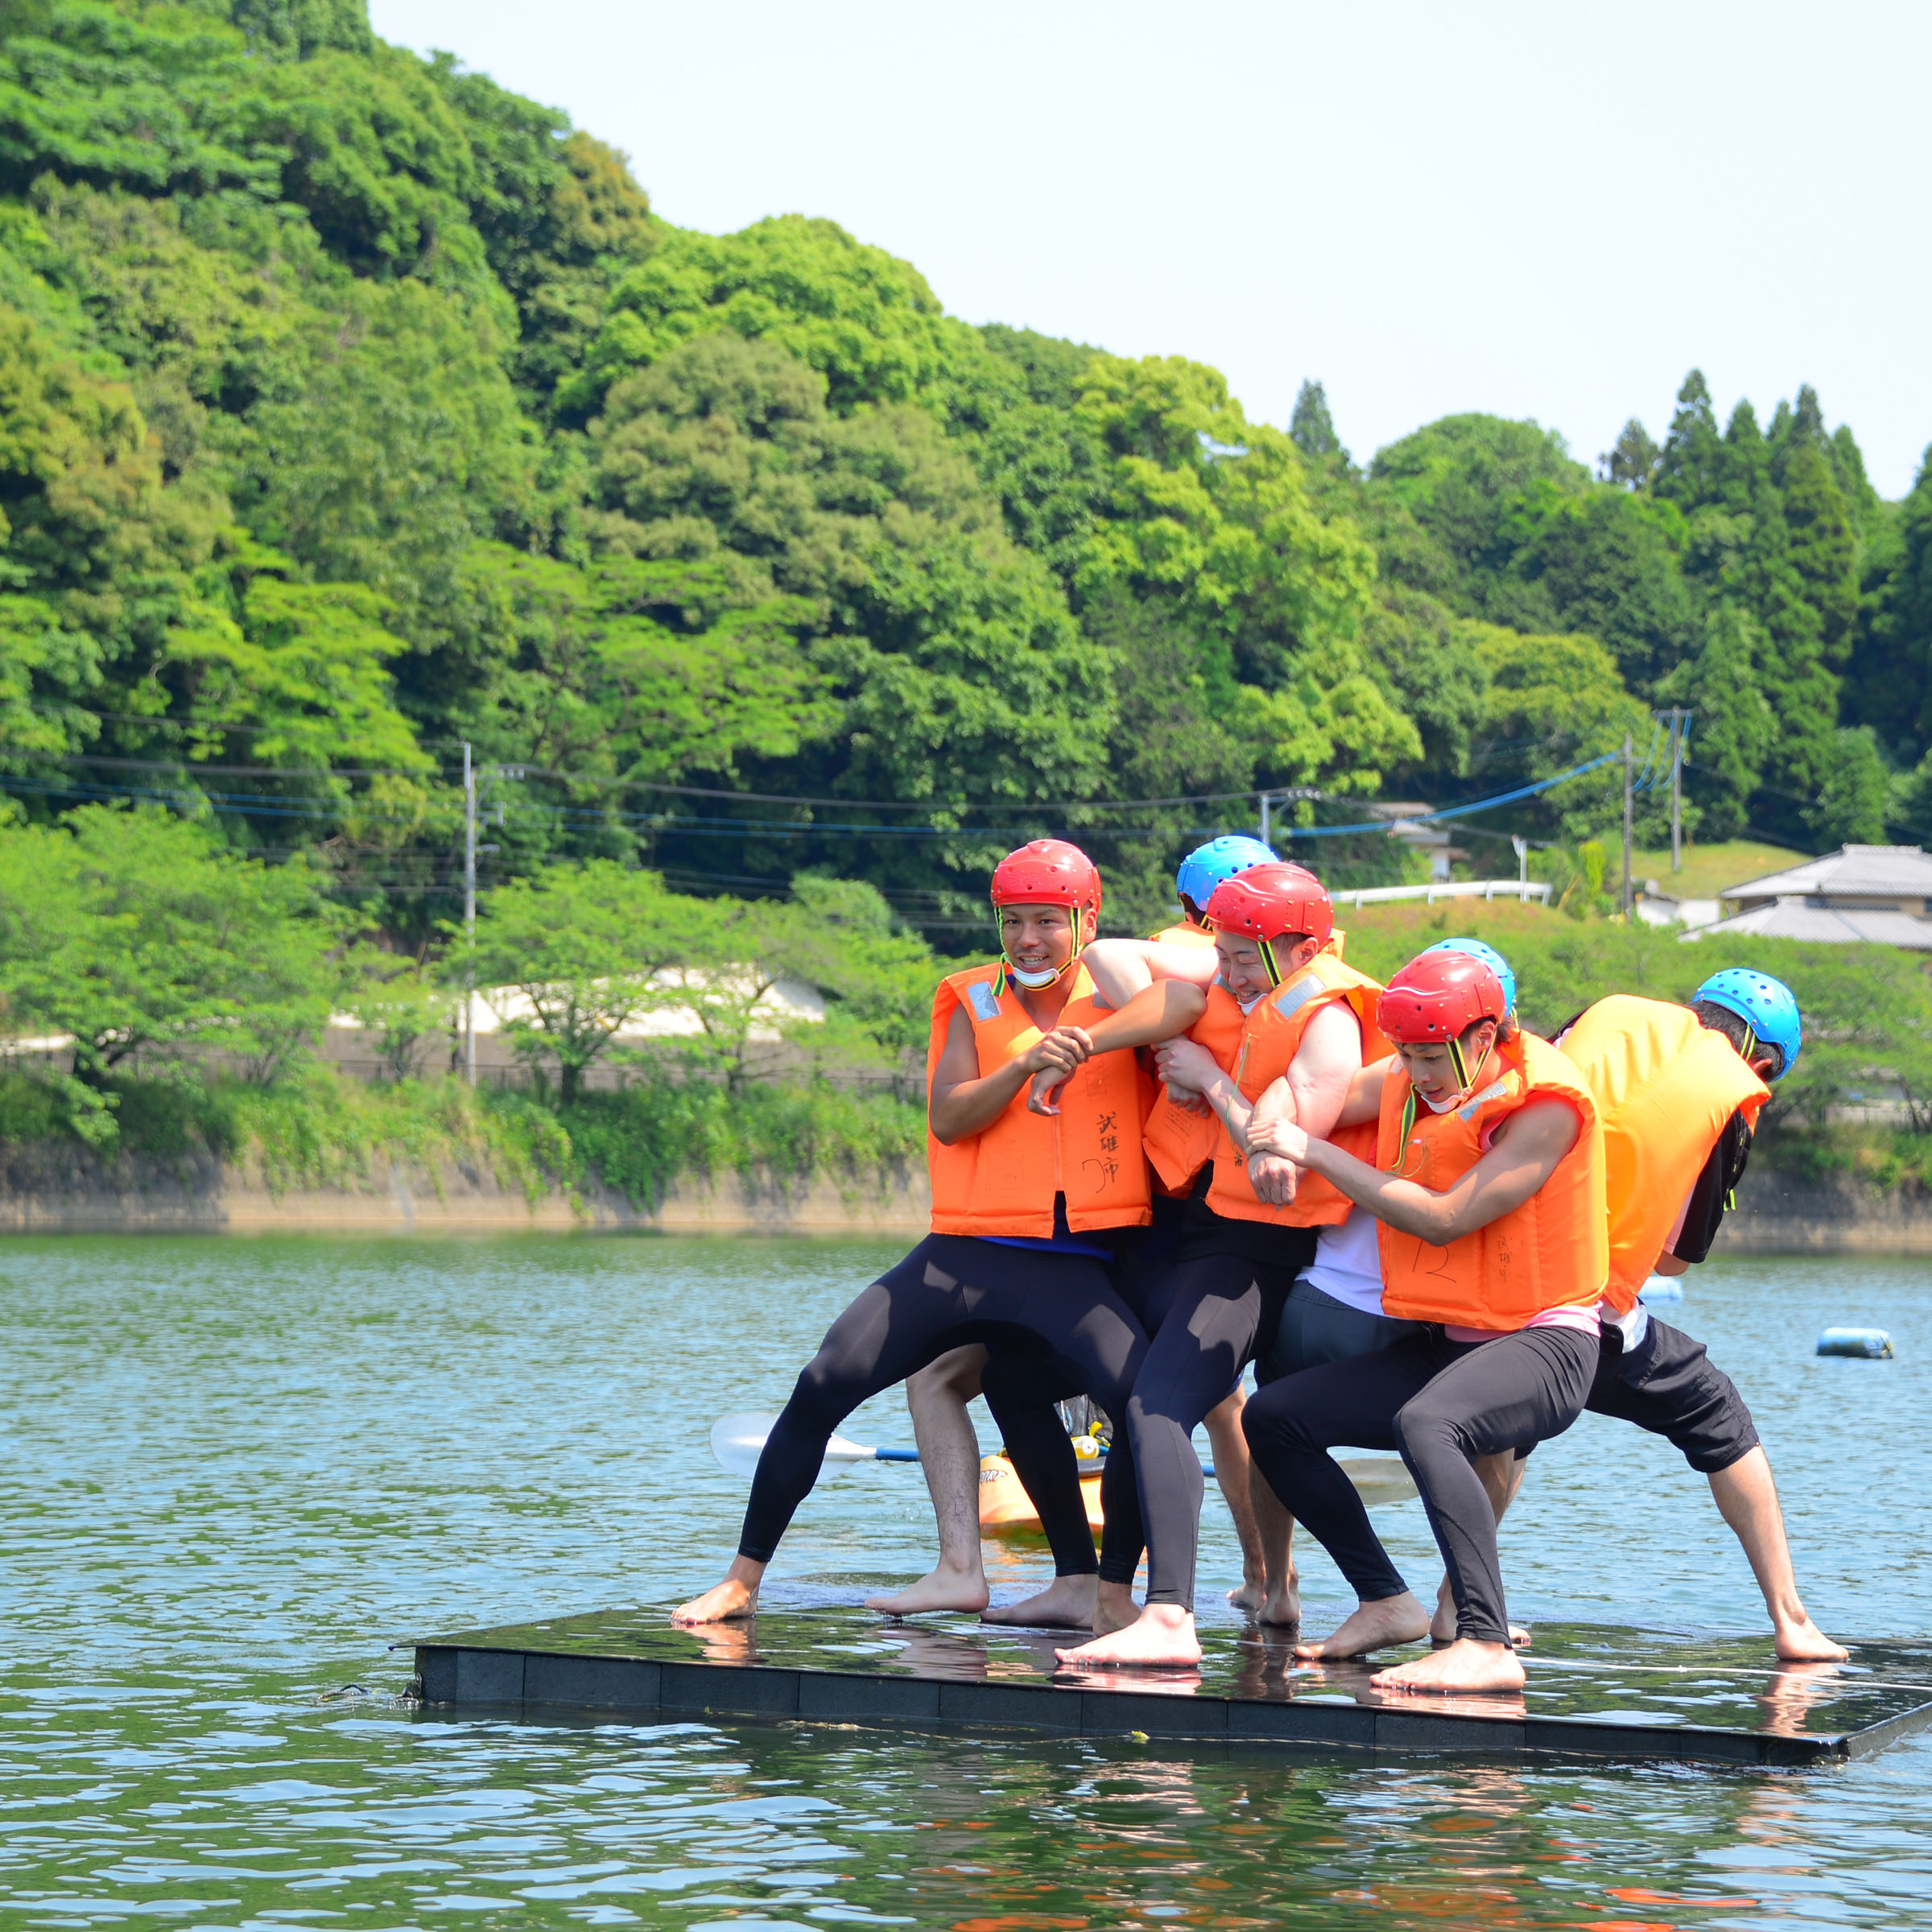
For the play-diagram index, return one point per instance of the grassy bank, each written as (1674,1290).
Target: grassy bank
(316,1128)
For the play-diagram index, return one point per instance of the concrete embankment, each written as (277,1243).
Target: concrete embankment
(1776,1215)
(44,1192)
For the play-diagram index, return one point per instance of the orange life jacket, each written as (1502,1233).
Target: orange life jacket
(1003,1180)
(1178,1143)
(1270,1038)
(1665,1088)
(1553,1252)
(1182,934)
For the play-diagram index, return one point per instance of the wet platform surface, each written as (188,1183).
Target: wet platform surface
(1593,1692)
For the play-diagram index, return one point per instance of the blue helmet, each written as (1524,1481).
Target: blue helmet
(1208,865)
(1479,949)
(1767,1006)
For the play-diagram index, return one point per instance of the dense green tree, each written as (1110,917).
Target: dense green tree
(575,954)
(1853,794)
(1607,562)
(1732,727)
(1632,462)
(352,406)
(132,932)
(1172,737)
(1460,477)
(1889,683)
(1312,428)
(1689,469)
(1554,701)
(864,320)
(1216,513)
(1429,662)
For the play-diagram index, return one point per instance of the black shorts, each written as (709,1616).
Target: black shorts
(1668,1385)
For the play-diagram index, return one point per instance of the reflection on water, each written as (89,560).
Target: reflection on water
(233,1472)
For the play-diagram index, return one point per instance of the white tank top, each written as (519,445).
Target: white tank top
(1347,1263)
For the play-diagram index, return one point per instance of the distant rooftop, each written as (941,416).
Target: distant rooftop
(1791,917)
(1876,872)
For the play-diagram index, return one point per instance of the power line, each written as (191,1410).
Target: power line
(522,769)
(262,805)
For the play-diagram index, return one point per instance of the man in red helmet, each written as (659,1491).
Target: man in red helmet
(1025,1207)
(1301,1018)
(1489,1187)
(1183,1128)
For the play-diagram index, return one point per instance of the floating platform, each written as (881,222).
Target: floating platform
(1593,1692)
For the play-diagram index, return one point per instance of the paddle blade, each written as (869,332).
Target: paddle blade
(737,1440)
(1379,1479)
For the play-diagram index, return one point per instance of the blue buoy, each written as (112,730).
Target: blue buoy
(1867,1344)
(1660,1288)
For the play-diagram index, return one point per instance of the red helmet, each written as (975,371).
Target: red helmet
(1437,997)
(1270,901)
(1048,872)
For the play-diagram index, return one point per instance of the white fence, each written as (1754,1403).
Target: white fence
(1525,889)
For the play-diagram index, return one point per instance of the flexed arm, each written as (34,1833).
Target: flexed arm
(964,1101)
(1522,1155)
(1312,1095)
(1164,1010)
(1120,968)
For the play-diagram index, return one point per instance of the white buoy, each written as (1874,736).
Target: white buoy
(1864,1344)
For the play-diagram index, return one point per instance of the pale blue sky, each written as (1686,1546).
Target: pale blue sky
(1539,210)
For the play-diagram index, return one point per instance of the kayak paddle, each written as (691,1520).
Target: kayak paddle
(737,1440)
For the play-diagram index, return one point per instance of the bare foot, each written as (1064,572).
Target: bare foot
(943,1588)
(1067,1604)
(1250,1593)
(1162,1633)
(1114,1608)
(1442,1626)
(1464,1666)
(733,1598)
(1802,1642)
(1282,1607)
(1388,1619)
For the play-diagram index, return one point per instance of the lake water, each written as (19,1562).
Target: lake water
(237,1472)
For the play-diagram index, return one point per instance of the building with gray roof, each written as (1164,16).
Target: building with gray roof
(1876,894)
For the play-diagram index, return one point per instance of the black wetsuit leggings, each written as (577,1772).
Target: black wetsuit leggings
(1221,1311)
(1209,1318)
(1439,1403)
(950,1291)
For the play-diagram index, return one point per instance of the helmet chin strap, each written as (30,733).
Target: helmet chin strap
(1033,981)
(1266,947)
(1465,1079)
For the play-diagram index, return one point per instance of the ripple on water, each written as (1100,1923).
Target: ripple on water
(233,1472)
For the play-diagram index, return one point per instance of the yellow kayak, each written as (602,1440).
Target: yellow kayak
(1005,1505)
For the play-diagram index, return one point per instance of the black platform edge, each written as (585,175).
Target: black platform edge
(465,1676)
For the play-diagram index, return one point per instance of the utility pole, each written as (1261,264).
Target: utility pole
(469,916)
(1523,864)
(1680,730)
(1264,818)
(1629,816)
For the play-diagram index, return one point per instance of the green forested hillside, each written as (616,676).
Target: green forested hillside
(352,407)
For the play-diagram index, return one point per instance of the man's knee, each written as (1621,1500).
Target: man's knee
(958,1373)
(1422,1426)
(1143,1415)
(1269,1423)
(821,1394)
